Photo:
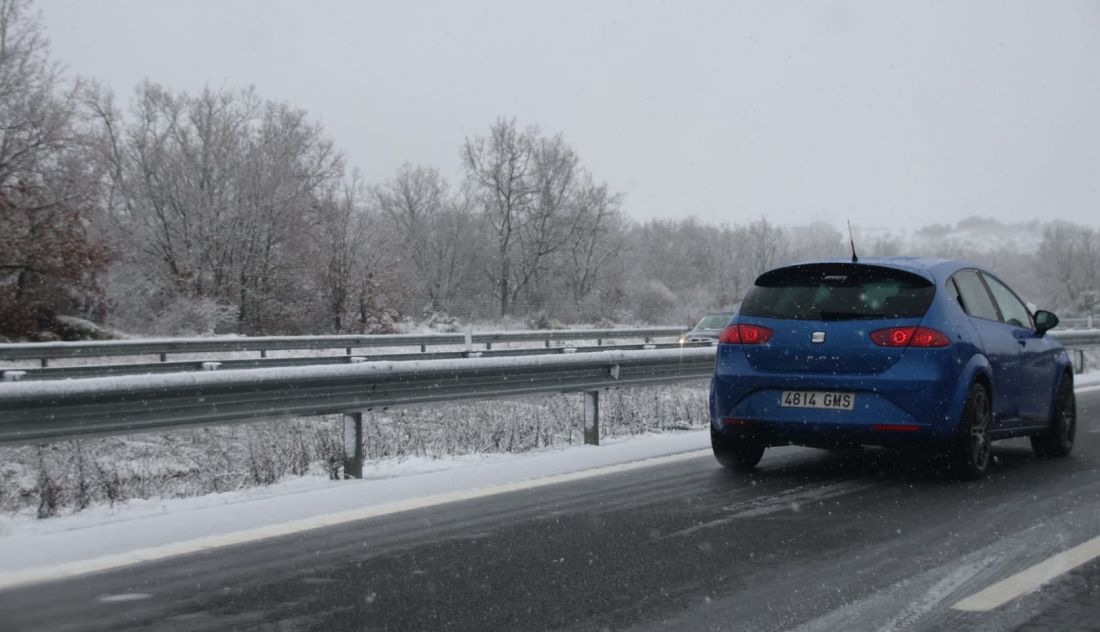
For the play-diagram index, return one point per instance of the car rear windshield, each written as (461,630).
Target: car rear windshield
(838,291)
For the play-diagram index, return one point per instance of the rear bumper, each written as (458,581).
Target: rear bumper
(826,435)
(915,402)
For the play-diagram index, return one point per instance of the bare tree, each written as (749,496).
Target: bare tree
(213,194)
(732,274)
(527,186)
(288,163)
(343,250)
(597,239)
(457,241)
(816,240)
(1070,256)
(767,246)
(48,182)
(435,232)
(552,219)
(500,167)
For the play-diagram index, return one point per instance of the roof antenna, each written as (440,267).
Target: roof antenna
(852,240)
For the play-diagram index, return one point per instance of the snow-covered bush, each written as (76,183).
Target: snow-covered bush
(543,321)
(654,302)
(195,316)
(439,321)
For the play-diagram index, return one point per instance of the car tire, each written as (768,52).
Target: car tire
(740,454)
(1057,440)
(970,454)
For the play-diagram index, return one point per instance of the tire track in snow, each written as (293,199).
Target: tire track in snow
(788,500)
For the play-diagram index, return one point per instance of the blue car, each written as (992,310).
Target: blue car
(896,352)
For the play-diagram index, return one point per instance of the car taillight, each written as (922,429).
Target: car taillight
(909,337)
(745,334)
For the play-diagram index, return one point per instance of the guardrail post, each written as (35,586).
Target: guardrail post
(592,417)
(45,363)
(1079,364)
(353,445)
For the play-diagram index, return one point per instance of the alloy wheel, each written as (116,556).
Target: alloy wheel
(980,442)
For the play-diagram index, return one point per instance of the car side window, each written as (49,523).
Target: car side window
(975,297)
(1013,310)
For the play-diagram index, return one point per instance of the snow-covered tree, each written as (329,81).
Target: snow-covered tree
(50,258)
(213,196)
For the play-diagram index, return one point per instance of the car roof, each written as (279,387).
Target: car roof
(931,268)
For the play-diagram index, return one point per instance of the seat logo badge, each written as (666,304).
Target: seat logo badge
(817,336)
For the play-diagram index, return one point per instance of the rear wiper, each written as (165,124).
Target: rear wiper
(826,315)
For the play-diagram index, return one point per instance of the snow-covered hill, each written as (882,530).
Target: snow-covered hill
(969,235)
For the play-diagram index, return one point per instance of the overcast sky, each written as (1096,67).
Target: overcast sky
(888,113)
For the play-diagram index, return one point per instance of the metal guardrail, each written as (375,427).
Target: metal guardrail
(1079,322)
(105,370)
(51,410)
(1076,342)
(79,401)
(45,351)
(1077,338)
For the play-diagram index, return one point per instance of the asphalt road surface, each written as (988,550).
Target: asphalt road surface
(868,540)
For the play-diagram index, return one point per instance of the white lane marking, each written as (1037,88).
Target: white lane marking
(149,554)
(1030,579)
(124,597)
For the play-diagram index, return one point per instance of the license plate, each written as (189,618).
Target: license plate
(818,399)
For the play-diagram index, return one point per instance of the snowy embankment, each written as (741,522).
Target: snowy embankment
(72,476)
(107,537)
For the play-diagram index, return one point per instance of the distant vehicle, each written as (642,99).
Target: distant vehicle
(900,352)
(708,328)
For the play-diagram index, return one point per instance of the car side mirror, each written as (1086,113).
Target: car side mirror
(1045,321)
